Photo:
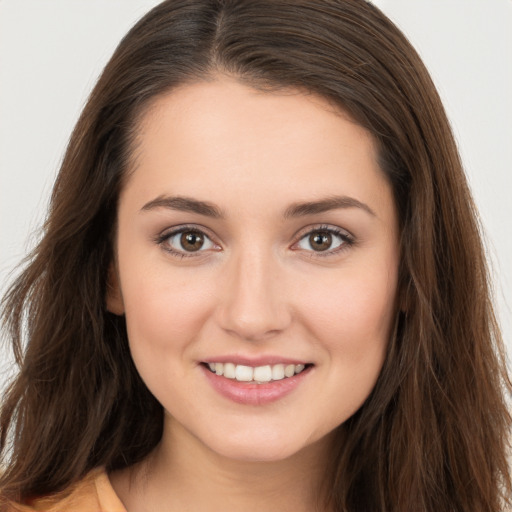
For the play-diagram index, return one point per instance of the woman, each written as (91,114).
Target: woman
(261,281)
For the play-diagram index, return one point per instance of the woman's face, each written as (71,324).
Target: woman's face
(258,237)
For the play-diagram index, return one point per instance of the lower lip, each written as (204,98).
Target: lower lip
(254,394)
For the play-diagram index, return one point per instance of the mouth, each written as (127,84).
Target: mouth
(256,374)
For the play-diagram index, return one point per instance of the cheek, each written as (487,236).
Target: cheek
(165,308)
(352,314)
(165,312)
(352,323)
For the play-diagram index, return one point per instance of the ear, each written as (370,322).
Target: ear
(114,298)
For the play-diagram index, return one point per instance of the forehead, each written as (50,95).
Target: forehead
(225,141)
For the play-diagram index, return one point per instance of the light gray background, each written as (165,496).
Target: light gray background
(52,51)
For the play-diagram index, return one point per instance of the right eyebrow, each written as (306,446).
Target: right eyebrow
(185,204)
(324,205)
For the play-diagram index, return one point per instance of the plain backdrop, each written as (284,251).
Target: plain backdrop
(52,51)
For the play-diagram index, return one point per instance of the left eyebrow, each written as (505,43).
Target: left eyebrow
(325,205)
(185,204)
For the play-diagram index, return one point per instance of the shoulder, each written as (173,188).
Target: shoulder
(93,493)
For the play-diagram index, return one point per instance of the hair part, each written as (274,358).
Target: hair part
(434,433)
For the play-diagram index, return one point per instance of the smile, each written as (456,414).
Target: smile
(255,385)
(258,374)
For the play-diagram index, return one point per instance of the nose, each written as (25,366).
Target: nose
(254,304)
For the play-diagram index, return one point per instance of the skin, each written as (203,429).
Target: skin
(257,287)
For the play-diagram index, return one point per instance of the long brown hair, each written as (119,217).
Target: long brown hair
(434,433)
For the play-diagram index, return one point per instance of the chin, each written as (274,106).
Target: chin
(260,447)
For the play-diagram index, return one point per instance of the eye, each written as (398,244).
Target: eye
(186,241)
(327,240)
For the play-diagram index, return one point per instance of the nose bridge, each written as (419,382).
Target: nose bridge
(255,303)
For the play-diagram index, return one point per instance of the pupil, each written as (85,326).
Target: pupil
(321,241)
(192,241)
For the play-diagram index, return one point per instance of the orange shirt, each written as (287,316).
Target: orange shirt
(92,494)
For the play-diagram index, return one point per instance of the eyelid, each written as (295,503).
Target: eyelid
(348,239)
(168,233)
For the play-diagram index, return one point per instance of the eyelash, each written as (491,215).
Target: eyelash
(163,238)
(347,240)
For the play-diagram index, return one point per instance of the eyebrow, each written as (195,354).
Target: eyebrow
(325,205)
(187,204)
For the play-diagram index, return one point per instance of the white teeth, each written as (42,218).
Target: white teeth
(260,374)
(243,373)
(299,368)
(229,370)
(278,372)
(263,374)
(289,370)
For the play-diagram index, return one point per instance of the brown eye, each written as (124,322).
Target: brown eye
(325,240)
(320,240)
(187,241)
(191,241)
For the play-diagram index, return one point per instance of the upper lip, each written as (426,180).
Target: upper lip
(255,361)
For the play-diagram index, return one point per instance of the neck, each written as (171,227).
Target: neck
(185,474)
